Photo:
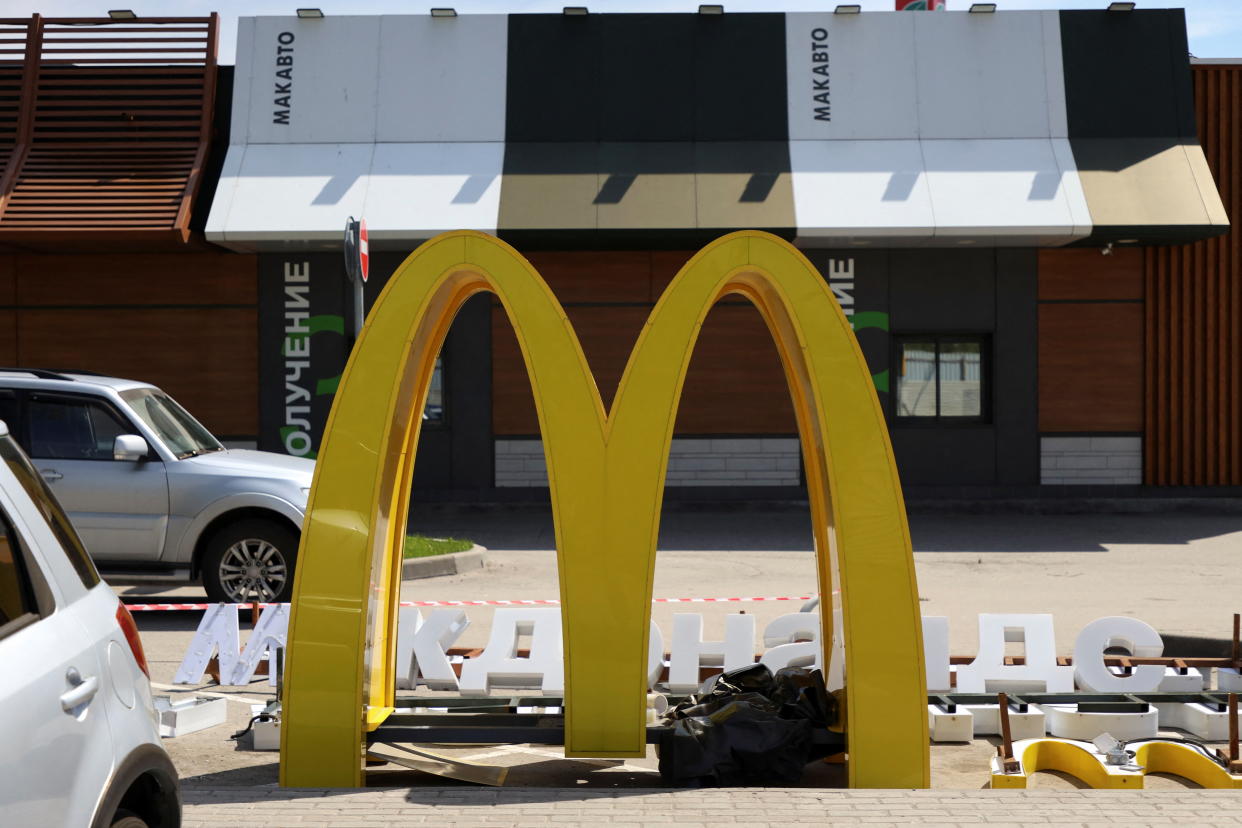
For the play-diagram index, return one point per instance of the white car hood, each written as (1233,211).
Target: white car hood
(255,463)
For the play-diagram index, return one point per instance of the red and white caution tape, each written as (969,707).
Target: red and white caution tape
(527,602)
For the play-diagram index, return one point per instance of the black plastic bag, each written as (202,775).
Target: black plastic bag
(748,728)
(801,694)
(753,678)
(743,741)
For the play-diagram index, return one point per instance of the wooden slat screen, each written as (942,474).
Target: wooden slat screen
(15,35)
(111,125)
(1193,431)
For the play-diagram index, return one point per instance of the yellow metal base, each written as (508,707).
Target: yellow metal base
(1080,760)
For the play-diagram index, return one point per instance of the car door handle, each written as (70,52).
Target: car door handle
(84,689)
(50,474)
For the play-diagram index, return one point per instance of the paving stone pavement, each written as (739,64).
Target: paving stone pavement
(543,807)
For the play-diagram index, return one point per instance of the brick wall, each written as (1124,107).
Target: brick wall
(1082,461)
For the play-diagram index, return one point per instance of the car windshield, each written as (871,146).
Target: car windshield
(182,433)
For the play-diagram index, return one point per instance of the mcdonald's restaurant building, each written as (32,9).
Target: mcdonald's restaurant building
(1025,214)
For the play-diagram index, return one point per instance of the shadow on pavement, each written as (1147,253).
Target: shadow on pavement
(787,527)
(245,779)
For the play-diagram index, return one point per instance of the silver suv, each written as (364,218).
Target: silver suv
(153,495)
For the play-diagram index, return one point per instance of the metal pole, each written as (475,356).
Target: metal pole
(359,308)
(1233,727)
(1005,748)
(1233,651)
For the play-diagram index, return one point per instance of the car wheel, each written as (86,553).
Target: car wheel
(251,560)
(127,819)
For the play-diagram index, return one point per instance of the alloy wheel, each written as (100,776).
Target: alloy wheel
(252,569)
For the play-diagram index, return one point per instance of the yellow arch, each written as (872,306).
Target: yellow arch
(606,474)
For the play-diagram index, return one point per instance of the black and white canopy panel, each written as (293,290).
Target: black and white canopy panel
(1031,128)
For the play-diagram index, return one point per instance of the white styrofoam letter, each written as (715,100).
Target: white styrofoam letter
(1228,680)
(409,619)
(1184,680)
(936,652)
(268,636)
(793,640)
(989,672)
(432,639)
(217,631)
(655,656)
(499,665)
(689,650)
(1117,631)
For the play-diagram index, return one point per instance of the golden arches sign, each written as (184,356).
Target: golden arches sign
(606,473)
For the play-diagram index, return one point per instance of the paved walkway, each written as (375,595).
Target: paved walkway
(534,807)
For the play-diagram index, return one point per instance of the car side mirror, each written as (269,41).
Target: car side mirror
(129,447)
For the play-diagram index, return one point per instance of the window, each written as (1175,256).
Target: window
(49,507)
(68,428)
(15,594)
(940,377)
(10,412)
(433,411)
(24,596)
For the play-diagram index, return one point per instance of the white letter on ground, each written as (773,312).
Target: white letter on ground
(936,652)
(793,640)
(499,663)
(1117,631)
(1041,655)
(217,631)
(689,650)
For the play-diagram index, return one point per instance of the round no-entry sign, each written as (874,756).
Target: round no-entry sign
(364,255)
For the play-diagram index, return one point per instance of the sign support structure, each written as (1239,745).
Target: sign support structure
(357,269)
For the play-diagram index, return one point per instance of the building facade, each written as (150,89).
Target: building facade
(107,130)
(1025,214)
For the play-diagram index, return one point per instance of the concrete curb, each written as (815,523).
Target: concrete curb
(453,563)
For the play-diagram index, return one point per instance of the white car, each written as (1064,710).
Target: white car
(153,495)
(79,738)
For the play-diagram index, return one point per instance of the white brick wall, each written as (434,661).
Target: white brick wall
(1091,460)
(731,461)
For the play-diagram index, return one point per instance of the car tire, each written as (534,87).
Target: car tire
(250,560)
(127,819)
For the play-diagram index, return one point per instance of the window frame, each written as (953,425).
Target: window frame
(31,395)
(938,420)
